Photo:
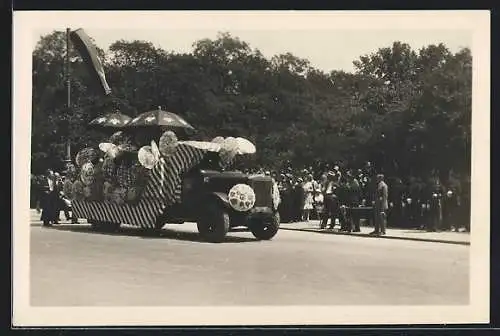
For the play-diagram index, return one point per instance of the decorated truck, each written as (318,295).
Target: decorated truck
(145,178)
(171,181)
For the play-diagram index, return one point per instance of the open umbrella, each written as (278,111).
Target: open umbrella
(159,118)
(112,120)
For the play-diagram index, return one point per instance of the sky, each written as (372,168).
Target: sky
(326,49)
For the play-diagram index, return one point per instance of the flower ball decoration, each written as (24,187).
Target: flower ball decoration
(132,194)
(98,182)
(71,172)
(87,191)
(68,188)
(119,194)
(146,157)
(107,191)
(77,190)
(86,155)
(87,174)
(168,143)
(140,177)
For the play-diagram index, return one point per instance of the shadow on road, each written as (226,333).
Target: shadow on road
(147,234)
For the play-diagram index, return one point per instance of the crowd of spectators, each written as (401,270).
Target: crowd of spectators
(427,204)
(431,204)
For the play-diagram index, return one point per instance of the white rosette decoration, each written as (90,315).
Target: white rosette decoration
(111,150)
(146,157)
(87,174)
(241,197)
(168,143)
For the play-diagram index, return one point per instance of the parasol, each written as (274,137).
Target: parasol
(205,145)
(159,118)
(245,146)
(114,120)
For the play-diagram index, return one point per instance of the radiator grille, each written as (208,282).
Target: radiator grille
(263,192)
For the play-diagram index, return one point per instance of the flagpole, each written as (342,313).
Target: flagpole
(68,88)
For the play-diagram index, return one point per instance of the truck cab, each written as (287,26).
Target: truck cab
(219,200)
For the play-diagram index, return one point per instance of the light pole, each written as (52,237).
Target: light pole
(68,94)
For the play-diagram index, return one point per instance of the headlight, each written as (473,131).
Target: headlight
(241,197)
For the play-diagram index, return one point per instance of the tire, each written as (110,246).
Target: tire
(104,226)
(214,224)
(266,229)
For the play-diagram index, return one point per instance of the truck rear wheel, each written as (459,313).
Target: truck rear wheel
(213,225)
(266,229)
(104,226)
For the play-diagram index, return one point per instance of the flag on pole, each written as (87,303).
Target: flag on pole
(88,51)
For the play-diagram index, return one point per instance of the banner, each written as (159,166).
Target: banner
(88,52)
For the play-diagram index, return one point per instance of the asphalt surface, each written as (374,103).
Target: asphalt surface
(73,266)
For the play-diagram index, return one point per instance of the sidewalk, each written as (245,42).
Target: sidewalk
(462,238)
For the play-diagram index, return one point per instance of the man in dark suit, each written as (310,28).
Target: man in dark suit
(354,199)
(332,208)
(381,205)
(50,202)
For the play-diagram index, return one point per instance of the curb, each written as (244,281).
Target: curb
(443,241)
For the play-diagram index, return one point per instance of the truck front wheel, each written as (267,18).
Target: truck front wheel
(213,224)
(267,228)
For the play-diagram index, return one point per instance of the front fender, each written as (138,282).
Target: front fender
(221,197)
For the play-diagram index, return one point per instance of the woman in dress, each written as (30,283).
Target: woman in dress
(308,198)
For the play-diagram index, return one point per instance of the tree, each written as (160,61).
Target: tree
(407,111)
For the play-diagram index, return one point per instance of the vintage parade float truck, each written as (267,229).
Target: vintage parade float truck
(170,182)
(145,177)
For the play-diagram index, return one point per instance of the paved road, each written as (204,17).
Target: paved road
(71,266)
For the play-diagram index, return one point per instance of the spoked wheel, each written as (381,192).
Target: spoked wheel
(213,225)
(267,228)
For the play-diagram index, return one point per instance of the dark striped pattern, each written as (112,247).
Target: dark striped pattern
(164,188)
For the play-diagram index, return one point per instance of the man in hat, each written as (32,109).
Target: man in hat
(381,205)
(50,204)
(330,200)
